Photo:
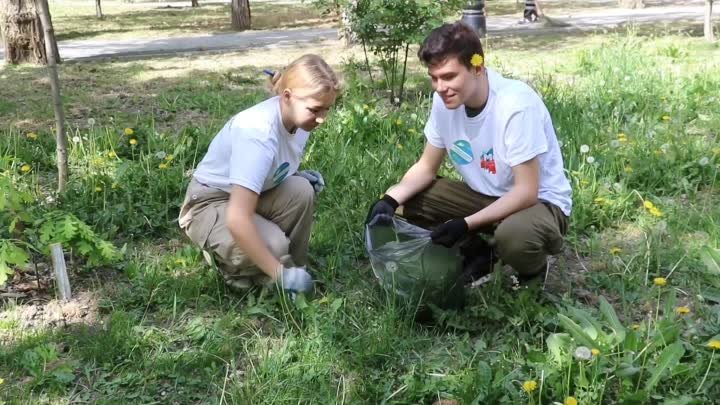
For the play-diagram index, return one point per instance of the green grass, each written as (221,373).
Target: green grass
(73,19)
(168,332)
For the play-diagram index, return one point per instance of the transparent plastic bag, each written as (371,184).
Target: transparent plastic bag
(409,265)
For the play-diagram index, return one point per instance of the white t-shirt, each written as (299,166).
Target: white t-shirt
(253,150)
(514,127)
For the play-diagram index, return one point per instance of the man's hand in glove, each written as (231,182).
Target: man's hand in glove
(315,179)
(450,232)
(382,211)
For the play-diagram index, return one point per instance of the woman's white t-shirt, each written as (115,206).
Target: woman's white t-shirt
(514,127)
(253,150)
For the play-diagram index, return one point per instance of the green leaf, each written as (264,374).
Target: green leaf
(668,359)
(558,344)
(576,331)
(69,229)
(711,258)
(684,400)
(627,370)
(5,271)
(611,316)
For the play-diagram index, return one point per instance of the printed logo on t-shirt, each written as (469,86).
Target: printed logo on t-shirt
(281,173)
(461,152)
(487,161)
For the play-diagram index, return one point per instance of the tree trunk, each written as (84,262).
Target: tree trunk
(22,32)
(60,137)
(631,3)
(194,3)
(98,10)
(708,26)
(240,14)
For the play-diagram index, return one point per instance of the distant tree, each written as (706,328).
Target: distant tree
(708,26)
(240,14)
(22,32)
(193,3)
(98,10)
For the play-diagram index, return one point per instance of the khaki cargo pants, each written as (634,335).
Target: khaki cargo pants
(523,240)
(283,218)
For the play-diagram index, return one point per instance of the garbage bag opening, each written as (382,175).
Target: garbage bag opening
(411,267)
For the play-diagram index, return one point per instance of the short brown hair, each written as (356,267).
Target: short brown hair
(450,40)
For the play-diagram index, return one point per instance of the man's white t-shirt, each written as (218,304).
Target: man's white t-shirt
(514,127)
(253,150)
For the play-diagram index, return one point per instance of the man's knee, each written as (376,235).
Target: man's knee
(518,245)
(300,189)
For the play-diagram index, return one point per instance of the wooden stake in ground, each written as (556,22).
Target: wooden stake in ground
(53,59)
(61,278)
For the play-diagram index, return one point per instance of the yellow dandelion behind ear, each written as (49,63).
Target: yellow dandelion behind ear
(477,60)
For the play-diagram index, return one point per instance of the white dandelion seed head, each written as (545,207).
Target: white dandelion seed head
(665,147)
(590,160)
(76,139)
(584,149)
(615,143)
(583,353)
(704,161)
(91,121)
(161,155)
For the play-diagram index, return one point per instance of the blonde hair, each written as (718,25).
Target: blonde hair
(308,72)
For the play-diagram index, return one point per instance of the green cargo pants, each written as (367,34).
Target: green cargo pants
(523,240)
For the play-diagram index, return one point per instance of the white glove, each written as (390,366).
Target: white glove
(315,179)
(295,279)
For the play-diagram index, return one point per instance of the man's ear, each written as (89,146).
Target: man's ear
(477,70)
(286,94)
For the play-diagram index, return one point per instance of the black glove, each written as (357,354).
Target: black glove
(450,232)
(382,211)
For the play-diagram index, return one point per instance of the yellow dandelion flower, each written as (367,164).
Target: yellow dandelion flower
(660,281)
(133,142)
(615,250)
(162,166)
(584,182)
(179,261)
(628,169)
(682,310)
(599,201)
(477,60)
(169,158)
(666,118)
(655,212)
(31,135)
(114,186)
(366,107)
(112,154)
(595,352)
(636,326)
(398,122)
(129,131)
(98,189)
(399,145)
(2,381)
(621,135)
(25,168)
(529,386)
(412,130)
(714,344)
(648,204)
(571,401)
